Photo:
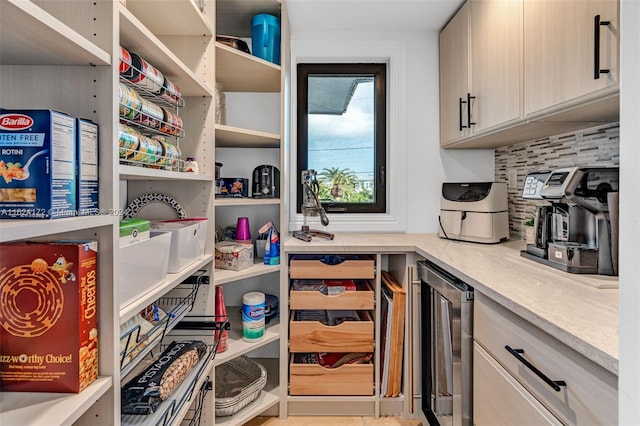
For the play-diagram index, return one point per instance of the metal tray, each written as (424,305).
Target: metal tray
(238,383)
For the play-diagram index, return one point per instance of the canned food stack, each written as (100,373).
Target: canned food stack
(148,111)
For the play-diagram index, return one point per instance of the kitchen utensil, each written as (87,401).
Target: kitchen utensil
(265,37)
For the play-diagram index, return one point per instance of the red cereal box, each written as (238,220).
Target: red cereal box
(48,316)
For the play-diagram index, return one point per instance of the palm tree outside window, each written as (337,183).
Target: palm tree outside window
(342,134)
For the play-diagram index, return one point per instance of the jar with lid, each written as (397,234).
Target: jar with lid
(191,165)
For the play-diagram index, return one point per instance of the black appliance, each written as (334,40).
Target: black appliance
(266,182)
(446,305)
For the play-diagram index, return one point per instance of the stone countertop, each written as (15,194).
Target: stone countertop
(579,310)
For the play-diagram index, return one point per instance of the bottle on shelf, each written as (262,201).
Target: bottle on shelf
(221,315)
(191,165)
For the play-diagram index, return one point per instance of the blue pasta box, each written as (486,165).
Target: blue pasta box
(87,167)
(37,164)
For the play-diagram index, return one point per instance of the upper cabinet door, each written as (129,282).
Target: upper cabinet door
(496,62)
(454,77)
(566,49)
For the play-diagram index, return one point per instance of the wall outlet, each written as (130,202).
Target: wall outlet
(513,178)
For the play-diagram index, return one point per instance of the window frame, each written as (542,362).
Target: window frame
(379,71)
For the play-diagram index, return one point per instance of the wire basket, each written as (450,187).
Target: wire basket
(238,383)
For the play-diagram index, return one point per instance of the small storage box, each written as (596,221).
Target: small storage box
(314,379)
(234,256)
(187,241)
(361,299)
(143,265)
(133,230)
(343,268)
(350,336)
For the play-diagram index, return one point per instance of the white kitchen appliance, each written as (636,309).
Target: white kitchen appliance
(474,211)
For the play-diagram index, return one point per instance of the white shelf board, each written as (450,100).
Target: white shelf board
(223,276)
(39,408)
(145,173)
(137,39)
(163,287)
(269,396)
(241,72)
(237,346)
(171,17)
(31,36)
(19,229)
(232,201)
(235,137)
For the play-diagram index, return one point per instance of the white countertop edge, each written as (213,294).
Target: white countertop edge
(604,355)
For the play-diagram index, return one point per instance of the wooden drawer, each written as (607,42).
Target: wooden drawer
(361,299)
(360,268)
(590,395)
(498,398)
(311,379)
(350,336)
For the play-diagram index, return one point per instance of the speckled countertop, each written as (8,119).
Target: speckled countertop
(579,310)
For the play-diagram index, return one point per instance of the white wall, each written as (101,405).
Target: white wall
(629,379)
(417,165)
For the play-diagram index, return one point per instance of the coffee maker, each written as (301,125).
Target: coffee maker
(573,231)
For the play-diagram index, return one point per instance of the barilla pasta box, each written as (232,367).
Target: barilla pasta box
(48,316)
(37,164)
(87,167)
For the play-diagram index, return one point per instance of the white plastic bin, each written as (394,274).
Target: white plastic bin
(187,243)
(143,265)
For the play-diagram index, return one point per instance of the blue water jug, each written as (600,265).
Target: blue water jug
(265,37)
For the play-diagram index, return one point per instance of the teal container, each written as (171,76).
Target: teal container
(265,37)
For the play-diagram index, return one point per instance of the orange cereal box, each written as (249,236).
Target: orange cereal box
(48,316)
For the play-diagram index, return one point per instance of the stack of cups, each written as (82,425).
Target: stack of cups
(243,234)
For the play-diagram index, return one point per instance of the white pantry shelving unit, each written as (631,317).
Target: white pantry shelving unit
(53,56)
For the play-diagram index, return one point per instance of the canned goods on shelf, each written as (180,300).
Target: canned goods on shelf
(144,74)
(130,102)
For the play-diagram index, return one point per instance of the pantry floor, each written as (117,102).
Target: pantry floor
(332,421)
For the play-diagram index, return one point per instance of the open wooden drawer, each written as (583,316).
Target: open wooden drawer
(361,299)
(314,379)
(357,267)
(350,336)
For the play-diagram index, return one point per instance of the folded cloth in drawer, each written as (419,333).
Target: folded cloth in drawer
(144,393)
(333,359)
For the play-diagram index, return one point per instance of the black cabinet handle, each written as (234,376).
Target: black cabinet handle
(596,47)
(469,122)
(555,384)
(460,102)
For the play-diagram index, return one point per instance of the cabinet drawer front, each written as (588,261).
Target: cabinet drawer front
(590,394)
(499,400)
(356,300)
(314,268)
(313,336)
(308,379)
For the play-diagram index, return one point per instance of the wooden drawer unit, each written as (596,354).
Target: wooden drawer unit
(311,379)
(350,268)
(362,298)
(350,336)
(584,393)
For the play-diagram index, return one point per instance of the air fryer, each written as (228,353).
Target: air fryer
(266,182)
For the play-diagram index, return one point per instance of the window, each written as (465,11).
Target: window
(342,135)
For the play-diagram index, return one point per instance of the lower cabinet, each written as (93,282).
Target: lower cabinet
(500,400)
(515,360)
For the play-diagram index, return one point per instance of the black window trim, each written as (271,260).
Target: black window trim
(379,71)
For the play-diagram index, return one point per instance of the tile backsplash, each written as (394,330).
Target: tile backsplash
(596,146)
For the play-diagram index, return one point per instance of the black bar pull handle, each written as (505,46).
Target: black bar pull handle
(555,384)
(469,122)
(460,102)
(596,47)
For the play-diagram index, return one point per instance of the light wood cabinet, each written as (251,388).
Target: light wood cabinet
(571,387)
(532,68)
(498,398)
(480,69)
(454,77)
(560,43)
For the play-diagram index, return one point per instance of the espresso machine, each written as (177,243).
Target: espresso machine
(573,230)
